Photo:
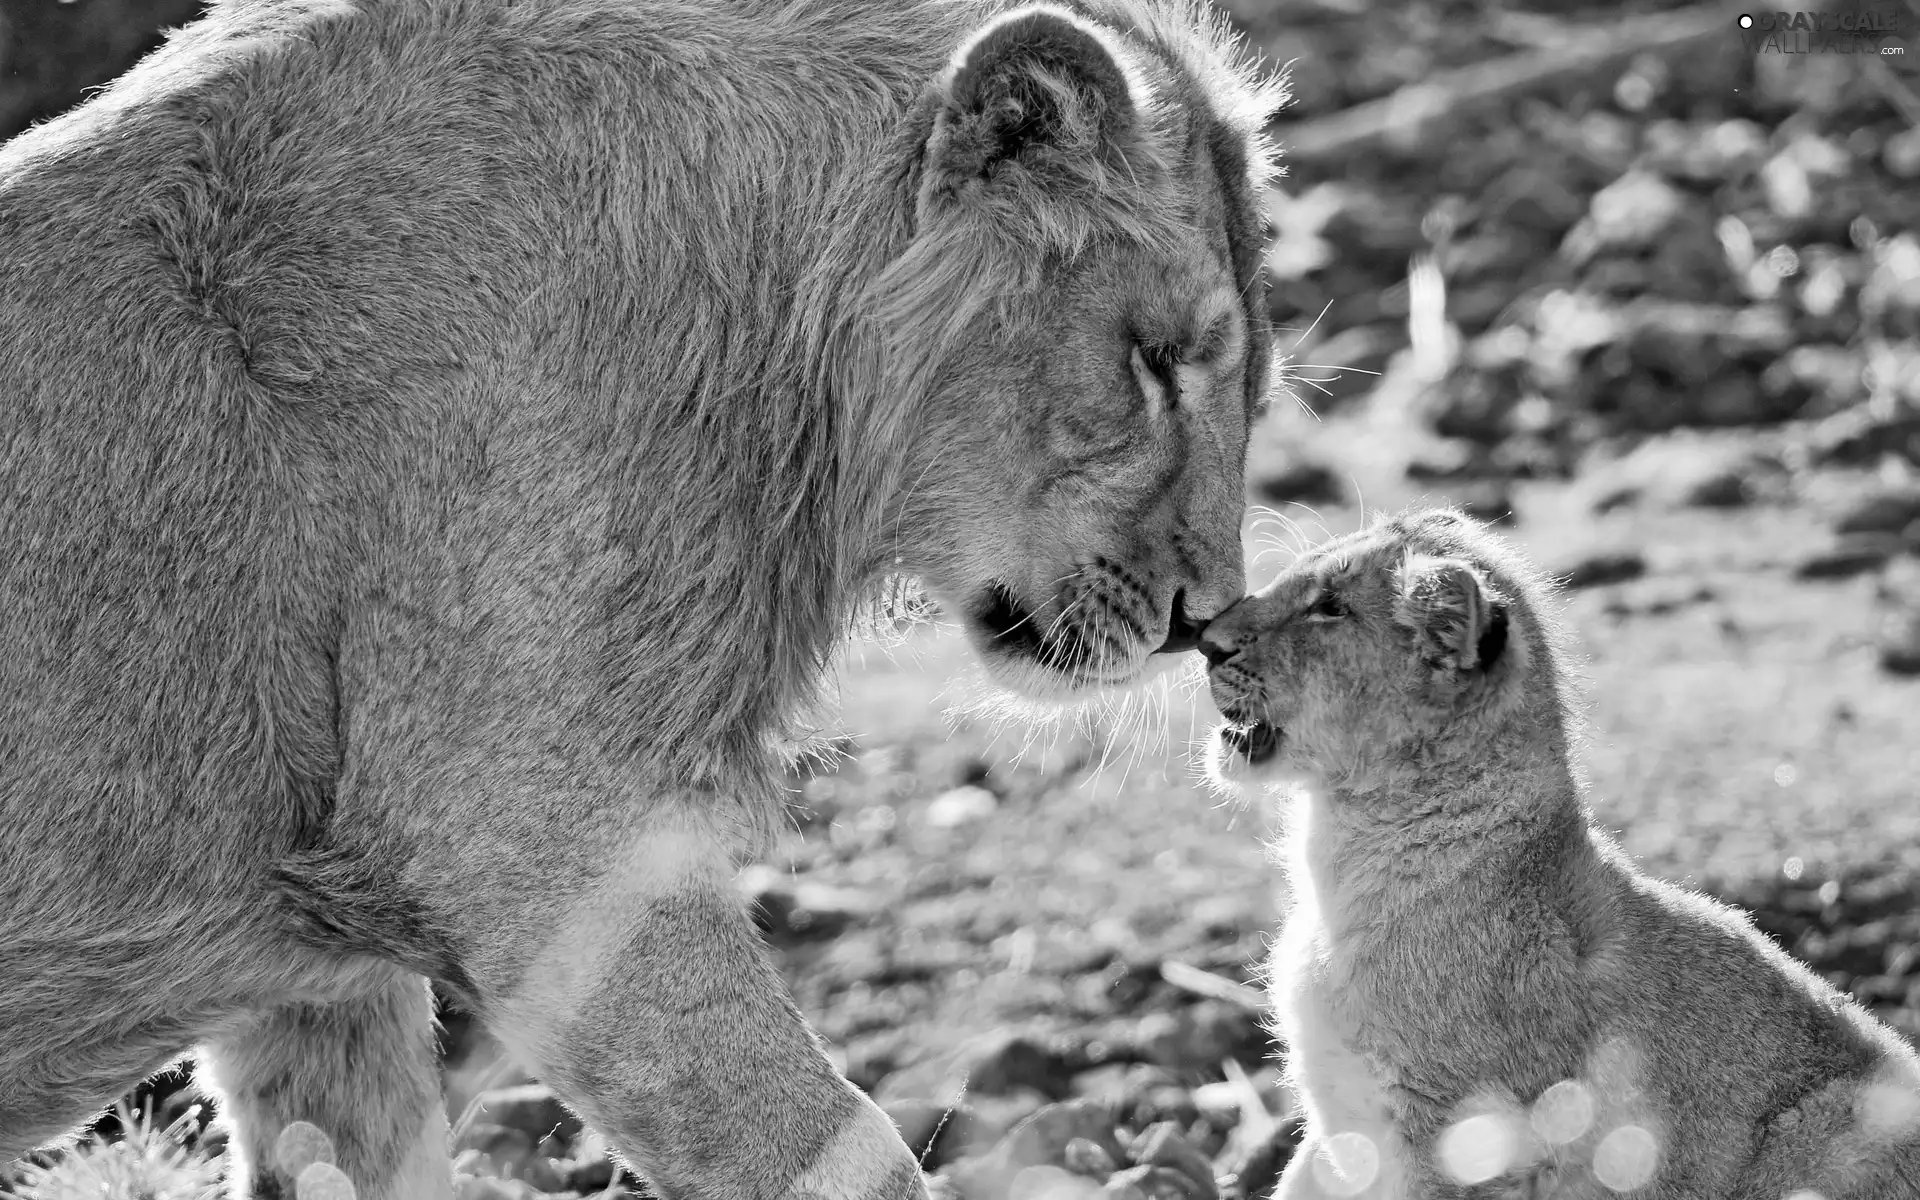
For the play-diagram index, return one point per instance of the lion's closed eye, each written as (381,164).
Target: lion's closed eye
(1156,367)
(1327,606)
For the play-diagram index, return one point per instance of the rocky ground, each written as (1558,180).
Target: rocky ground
(1602,274)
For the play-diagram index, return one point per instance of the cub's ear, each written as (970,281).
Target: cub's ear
(1460,620)
(1037,86)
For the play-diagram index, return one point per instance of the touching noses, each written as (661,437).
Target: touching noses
(1217,645)
(1212,637)
(1228,633)
(1183,632)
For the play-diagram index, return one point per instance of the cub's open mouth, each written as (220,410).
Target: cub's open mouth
(1257,741)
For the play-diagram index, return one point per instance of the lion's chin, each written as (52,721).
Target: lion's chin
(1032,679)
(1037,659)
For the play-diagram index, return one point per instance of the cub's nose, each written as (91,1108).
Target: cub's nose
(1183,633)
(1216,645)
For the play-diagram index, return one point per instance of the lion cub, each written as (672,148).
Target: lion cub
(1482,996)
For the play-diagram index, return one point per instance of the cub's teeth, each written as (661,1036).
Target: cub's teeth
(1238,738)
(1256,742)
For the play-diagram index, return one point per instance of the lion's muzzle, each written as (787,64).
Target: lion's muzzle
(1183,632)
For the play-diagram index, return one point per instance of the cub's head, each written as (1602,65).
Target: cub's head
(1083,309)
(1402,645)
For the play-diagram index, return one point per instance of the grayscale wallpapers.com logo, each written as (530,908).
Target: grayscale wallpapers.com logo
(1872,31)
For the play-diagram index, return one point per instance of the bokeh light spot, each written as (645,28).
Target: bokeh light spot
(322,1181)
(1887,1110)
(1793,867)
(1784,774)
(1478,1148)
(1563,1113)
(1626,1158)
(1805,1194)
(299,1146)
(1613,1071)
(1347,1164)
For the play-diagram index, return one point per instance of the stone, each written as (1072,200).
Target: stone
(487,1187)
(1050,1183)
(1889,510)
(1533,199)
(1300,483)
(1899,645)
(1852,556)
(1122,1187)
(1251,1166)
(1631,212)
(594,1174)
(1598,570)
(543,1174)
(961,806)
(1448,459)
(1157,1183)
(1200,1037)
(1041,1140)
(1717,154)
(1085,1157)
(996,1116)
(1000,1065)
(1163,1145)
(1375,231)
(790,910)
(1043,1137)
(1861,436)
(1820,378)
(1901,154)
(1726,488)
(531,1108)
(498,1142)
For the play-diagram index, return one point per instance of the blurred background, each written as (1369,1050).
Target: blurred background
(1636,283)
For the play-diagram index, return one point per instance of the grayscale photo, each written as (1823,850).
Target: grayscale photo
(959,600)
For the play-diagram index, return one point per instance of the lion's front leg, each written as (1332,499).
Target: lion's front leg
(653,1009)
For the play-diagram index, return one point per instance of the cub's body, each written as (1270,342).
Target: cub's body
(1480,995)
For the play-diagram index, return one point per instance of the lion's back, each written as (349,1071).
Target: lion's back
(271,288)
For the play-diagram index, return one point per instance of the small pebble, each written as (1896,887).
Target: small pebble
(961,806)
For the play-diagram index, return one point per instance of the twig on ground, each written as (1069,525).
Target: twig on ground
(1895,90)
(1253,1107)
(1213,987)
(1583,47)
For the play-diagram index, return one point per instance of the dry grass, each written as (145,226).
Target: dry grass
(148,1164)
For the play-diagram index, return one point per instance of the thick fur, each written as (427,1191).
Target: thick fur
(1480,995)
(441,442)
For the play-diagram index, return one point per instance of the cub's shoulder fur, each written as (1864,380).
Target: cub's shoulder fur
(441,441)
(1480,994)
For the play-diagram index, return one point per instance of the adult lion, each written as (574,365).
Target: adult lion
(441,442)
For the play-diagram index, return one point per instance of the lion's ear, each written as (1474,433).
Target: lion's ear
(1459,619)
(1037,87)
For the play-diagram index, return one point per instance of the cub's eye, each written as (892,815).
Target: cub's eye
(1326,607)
(1156,366)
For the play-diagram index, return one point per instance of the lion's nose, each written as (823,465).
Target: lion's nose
(1183,633)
